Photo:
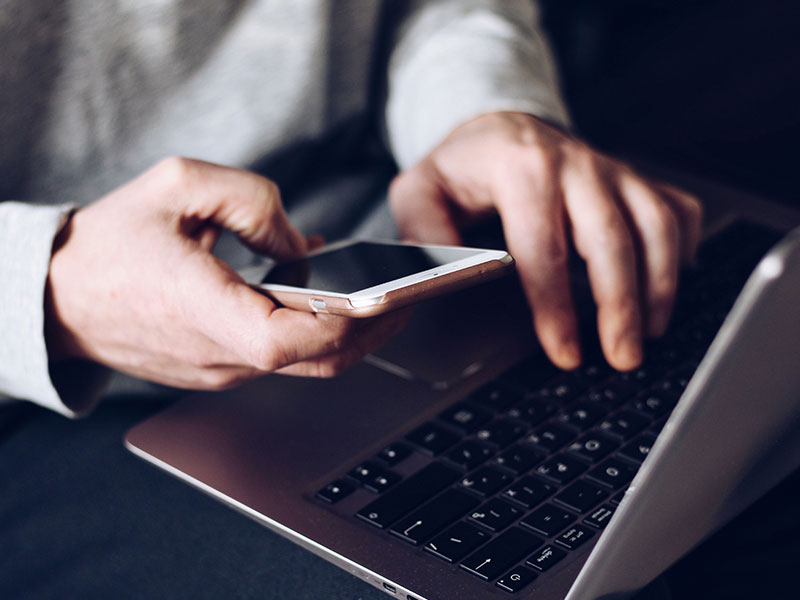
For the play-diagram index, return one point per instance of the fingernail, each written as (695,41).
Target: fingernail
(629,349)
(657,323)
(570,355)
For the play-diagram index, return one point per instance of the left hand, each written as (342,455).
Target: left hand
(547,188)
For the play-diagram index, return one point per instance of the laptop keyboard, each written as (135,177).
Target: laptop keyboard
(533,465)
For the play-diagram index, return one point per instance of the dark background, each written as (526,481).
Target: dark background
(707,86)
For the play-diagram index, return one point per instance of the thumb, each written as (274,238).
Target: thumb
(421,207)
(240,201)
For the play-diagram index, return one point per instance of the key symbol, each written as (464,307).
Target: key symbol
(483,564)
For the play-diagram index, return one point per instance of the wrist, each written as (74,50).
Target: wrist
(61,343)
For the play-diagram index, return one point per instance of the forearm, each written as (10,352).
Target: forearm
(455,60)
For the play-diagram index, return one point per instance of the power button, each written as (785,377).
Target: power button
(318,305)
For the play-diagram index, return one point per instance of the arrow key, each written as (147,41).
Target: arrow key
(434,516)
(456,542)
(501,553)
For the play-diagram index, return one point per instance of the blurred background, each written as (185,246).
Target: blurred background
(707,86)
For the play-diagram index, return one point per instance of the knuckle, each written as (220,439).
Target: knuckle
(398,188)
(662,222)
(176,170)
(553,251)
(694,208)
(626,307)
(537,159)
(613,234)
(270,192)
(267,357)
(329,368)
(218,380)
(662,288)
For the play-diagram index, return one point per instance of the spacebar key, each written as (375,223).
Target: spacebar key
(408,495)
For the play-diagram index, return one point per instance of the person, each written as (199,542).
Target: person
(107,101)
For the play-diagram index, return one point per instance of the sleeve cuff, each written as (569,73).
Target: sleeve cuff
(26,240)
(455,63)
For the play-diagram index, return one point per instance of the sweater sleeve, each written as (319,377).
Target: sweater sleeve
(27,232)
(454,60)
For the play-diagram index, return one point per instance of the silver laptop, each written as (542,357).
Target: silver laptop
(455,463)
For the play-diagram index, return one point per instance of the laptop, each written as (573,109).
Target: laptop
(455,462)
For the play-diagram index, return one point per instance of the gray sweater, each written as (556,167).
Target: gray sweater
(93,93)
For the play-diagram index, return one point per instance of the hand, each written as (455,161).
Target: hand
(547,188)
(133,285)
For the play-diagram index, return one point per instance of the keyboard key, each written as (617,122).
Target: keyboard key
(592,372)
(394,453)
(408,495)
(496,397)
(486,481)
(610,394)
(654,404)
(382,481)
(501,553)
(600,516)
(581,416)
(548,520)
(551,437)
(374,477)
(612,473)
(468,455)
(495,515)
(638,449)
(545,558)
(519,459)
(563,389)
(561,468)
(640,378)
(529,375)
(574,537)
(335,491)
(500,433)
(516,579)
(434,516)
(581,496)
(455,543)
(670,387)
(617,500)
(593,447)
(528,492)
(623,425)
(432,438)
(465,417)
(532,411)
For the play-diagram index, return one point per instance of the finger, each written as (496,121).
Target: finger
(533,221)
(248,324)
(421,208)
(207,236)
(602,238)
(690,217)
(658,231)
(212,378)
(315,241)
(238,200)
(370,335)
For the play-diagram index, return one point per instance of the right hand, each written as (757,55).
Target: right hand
(133,285)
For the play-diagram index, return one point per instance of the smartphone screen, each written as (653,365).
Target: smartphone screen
(362,265)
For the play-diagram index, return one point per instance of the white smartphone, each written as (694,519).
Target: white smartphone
(363,278)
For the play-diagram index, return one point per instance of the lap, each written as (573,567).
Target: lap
(80,515)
